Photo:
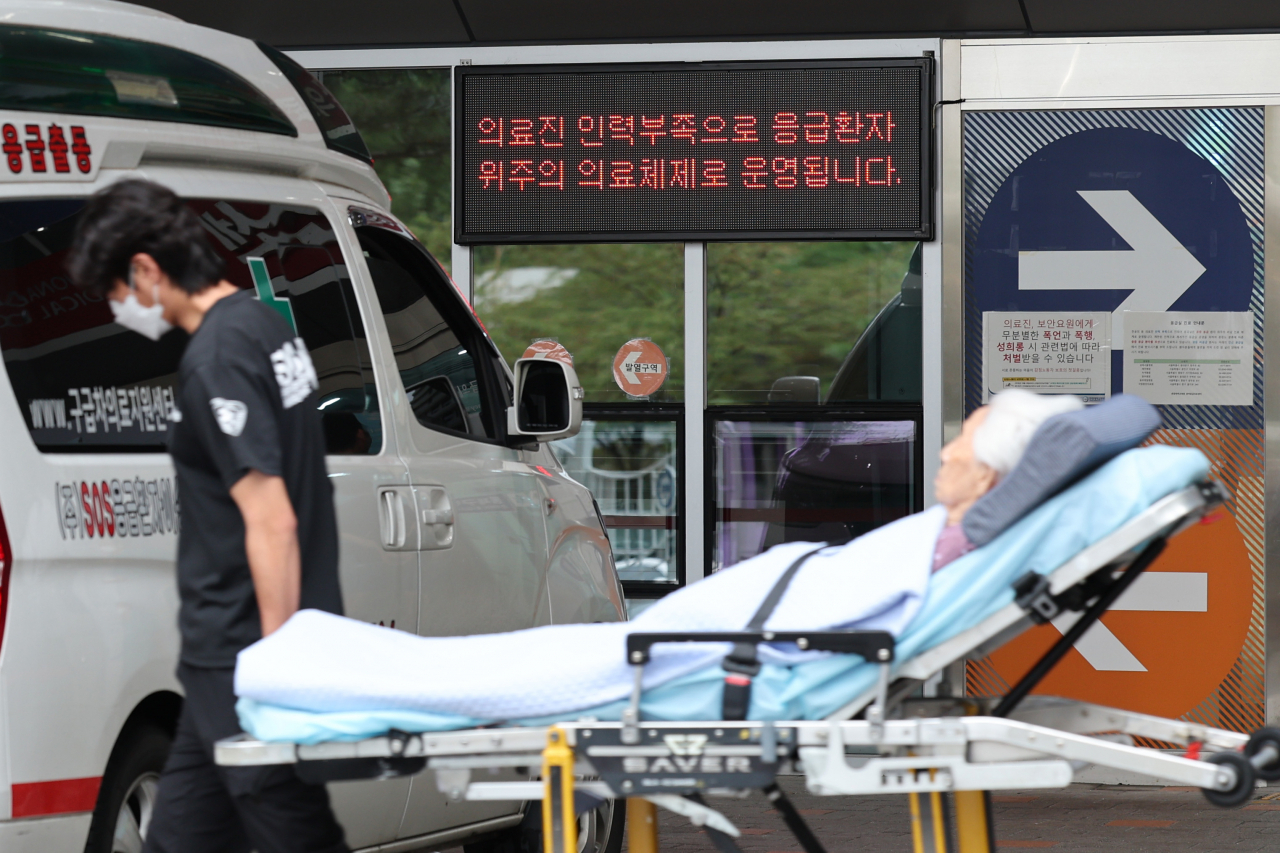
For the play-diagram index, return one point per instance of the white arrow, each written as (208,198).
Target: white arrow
(1158,270)
(628,367)
(1186,592)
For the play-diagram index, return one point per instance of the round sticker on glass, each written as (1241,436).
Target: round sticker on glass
(640,367)
(547,348)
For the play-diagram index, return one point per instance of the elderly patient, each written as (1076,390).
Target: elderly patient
(990,444)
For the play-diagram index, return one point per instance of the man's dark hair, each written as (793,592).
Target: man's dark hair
(136,216)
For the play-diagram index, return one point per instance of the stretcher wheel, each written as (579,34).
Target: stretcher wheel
(1257,741)
(1246,779)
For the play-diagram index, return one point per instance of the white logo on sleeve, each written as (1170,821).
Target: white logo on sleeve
(295,372)
(231,415)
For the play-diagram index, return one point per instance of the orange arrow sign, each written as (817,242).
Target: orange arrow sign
(1170,642)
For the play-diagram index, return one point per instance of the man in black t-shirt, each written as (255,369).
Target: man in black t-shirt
(258,539)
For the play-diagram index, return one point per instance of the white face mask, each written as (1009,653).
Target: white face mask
(148,322)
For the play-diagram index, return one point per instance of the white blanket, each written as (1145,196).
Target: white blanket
(321,662)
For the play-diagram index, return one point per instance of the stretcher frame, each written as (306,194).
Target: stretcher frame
(883,742)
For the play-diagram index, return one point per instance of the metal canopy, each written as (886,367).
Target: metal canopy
(339,23)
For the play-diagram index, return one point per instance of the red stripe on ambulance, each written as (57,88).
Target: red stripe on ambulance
(58,796)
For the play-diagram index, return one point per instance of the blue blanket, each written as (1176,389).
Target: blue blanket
(959,596)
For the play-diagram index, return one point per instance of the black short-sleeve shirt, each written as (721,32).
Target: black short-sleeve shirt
(246,400)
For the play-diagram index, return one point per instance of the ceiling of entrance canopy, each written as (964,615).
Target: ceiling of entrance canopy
(341,23)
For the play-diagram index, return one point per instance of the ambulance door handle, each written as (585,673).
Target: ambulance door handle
(391,512)
(435,517)
(390,535)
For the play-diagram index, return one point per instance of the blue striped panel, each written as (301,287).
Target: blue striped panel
(995,143)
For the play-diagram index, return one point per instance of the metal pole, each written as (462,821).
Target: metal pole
(695,404)
(461,271)
(950,244)
(949,307)
(459,256)
(933,326)
(1271,408)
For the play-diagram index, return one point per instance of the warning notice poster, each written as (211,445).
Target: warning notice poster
(1049,352)
(1196,358)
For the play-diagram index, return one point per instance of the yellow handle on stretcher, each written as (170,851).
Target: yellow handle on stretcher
(559,823)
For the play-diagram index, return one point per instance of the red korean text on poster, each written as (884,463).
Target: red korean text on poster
(547,348)
(640,367)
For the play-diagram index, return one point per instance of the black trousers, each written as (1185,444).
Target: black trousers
(203,808)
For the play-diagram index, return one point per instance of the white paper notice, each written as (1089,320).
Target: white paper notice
(1190,358)
(1054,352)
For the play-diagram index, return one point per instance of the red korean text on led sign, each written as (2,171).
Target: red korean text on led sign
(653,154)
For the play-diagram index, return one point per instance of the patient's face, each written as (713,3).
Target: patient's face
(963,479)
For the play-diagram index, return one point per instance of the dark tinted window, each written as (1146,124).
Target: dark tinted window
(336,126)
(80,380)
(296,250)
(89,74)
(437,345)
(85,383)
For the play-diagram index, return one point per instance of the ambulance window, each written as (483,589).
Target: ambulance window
(84,383)
(289,256)
(58,71)
(321,307)
(335,125)
(438,347)
(81,381)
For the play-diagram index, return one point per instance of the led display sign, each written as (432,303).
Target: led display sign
(743,151)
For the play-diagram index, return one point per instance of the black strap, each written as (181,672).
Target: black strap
(743,663)
(771,600)
(796,823)
(1076,631)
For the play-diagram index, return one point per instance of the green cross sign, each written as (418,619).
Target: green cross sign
(262,284)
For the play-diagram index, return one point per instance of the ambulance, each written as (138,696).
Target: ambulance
(454,515)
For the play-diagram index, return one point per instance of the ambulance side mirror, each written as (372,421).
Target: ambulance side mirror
(548,400)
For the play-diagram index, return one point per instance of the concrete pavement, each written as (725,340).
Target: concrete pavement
(1079,819)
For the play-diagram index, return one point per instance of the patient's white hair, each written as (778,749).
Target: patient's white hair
(1013,416)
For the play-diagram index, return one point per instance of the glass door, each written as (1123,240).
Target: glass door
(814,381)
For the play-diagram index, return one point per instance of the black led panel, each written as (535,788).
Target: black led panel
(744,151)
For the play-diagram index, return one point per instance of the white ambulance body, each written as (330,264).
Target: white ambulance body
(447,526)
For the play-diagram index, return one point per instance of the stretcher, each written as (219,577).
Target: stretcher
(945,753)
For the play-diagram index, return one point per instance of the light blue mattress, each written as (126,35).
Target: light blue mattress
(959,596)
